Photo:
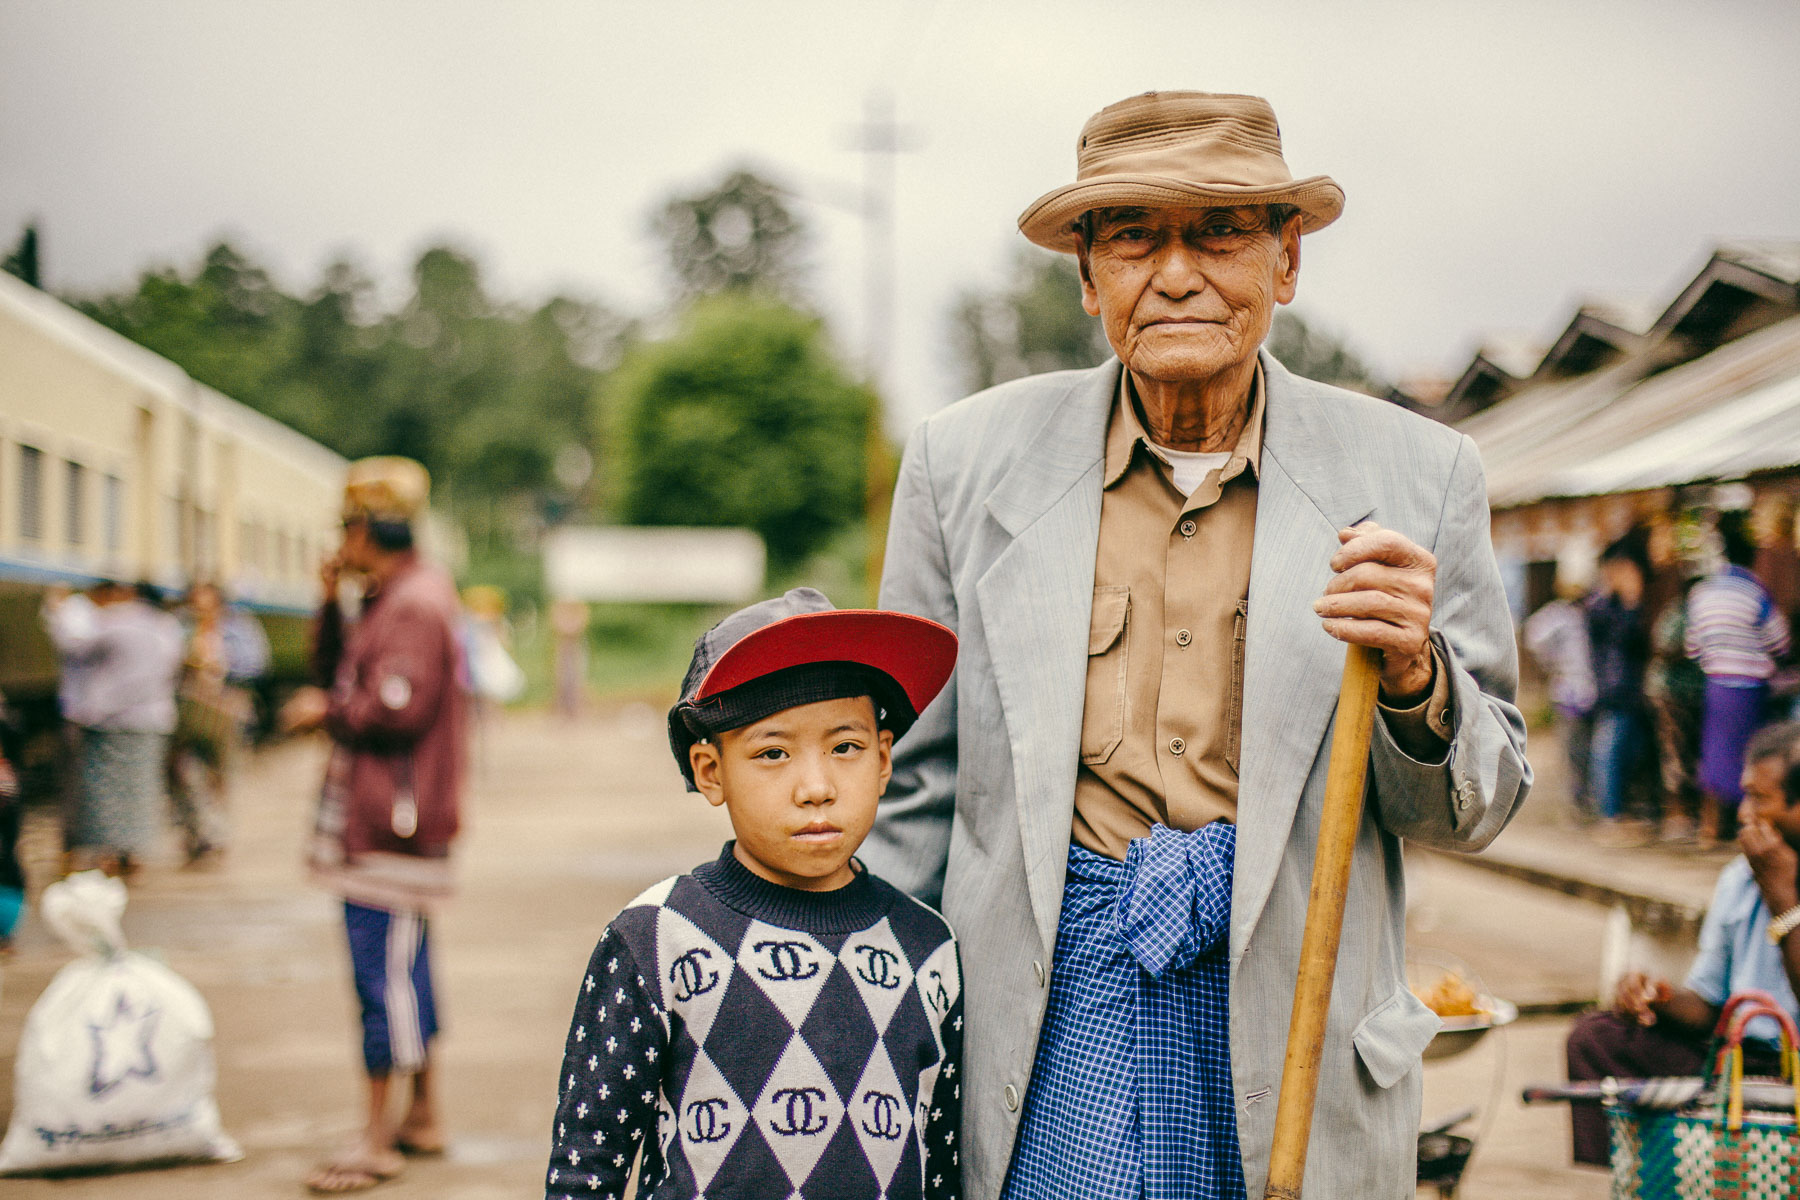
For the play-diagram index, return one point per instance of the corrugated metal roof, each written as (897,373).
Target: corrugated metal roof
(1541,442)
(1518,354)
(1777,258)
(1758,431)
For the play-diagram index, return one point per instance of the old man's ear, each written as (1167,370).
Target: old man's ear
(1287,283)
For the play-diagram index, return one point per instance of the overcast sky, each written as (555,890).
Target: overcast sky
(1502,161)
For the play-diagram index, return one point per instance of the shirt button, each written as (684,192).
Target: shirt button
(1176,746)
(1183,637)
(1039,968)
(1187,528)
(1012,1098)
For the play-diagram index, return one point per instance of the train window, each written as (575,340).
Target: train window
(112,514)
(75,505)
(31,493)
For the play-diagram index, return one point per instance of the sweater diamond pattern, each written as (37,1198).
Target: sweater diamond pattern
(882,1118)
(697,973)
(877,966)
(790,968)
(801,1108)
(734,1039)
(713,1118)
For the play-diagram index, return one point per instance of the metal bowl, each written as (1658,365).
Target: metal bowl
(1461,1033)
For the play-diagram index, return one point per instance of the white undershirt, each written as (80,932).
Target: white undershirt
(1190,467)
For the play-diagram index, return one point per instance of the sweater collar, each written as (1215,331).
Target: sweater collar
(857,905)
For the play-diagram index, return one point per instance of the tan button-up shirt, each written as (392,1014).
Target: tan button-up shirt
(1162,722)
(1159,733)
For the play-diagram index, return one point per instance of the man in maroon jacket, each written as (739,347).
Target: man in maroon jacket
(396,714)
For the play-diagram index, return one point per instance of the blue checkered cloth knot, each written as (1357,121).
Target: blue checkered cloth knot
(1131,1095)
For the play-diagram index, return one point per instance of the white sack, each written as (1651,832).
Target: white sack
(115,1064)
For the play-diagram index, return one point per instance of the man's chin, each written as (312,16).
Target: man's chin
(1187,367)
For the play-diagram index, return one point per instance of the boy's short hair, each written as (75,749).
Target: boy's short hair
(797,649)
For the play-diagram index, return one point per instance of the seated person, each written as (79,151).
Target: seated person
(1655,1028)
(777,1022)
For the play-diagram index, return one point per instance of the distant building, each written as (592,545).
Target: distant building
(1637,414)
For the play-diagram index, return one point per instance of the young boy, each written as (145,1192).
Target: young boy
(777,1022)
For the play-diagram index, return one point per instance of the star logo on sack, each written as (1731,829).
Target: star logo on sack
(122,1046)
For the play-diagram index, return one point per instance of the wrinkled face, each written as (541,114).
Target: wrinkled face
(1187,294)
(1764,799)
(801,787)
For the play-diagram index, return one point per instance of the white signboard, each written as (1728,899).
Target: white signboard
(659,564)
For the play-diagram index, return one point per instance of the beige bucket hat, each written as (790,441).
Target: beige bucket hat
(1185,149)
(385,488)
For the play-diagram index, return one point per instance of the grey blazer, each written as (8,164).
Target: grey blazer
(995,520)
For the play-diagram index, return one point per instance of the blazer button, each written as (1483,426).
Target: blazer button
(1176,746)
(1183,637)
(1039,968)
(1187,529)
(1012,1098)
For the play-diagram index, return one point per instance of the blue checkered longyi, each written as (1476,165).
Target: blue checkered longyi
(1131,1094)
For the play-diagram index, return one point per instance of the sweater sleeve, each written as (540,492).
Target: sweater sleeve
(943,1121)
(611,1074)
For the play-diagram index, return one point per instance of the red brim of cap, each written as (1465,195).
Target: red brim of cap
(917,652)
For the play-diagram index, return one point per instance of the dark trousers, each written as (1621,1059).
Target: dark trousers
(1605,1045)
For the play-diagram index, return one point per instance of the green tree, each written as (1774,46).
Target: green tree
(485,394)
(23,261)
(224,323)
(1032,325)
(738,235)
(742,418)
(1309,351)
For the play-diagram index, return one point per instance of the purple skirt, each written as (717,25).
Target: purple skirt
(1732,713)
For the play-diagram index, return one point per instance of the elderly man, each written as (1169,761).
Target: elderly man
(1119,799)
(397,716)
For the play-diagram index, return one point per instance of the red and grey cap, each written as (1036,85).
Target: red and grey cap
(798,649)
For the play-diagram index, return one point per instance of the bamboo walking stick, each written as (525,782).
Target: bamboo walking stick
(1338,824)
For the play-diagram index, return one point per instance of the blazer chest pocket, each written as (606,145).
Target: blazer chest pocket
(1391,1040)
(1103,711)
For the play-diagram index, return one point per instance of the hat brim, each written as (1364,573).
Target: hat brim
(1050,221)
(916,652)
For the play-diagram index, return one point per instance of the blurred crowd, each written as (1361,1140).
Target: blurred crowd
(156,696)
(1659,670)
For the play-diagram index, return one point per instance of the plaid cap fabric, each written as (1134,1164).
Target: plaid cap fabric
(798,649)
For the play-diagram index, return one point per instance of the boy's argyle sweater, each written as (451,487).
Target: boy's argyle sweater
(761,1042)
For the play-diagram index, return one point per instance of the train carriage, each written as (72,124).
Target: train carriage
(114,463)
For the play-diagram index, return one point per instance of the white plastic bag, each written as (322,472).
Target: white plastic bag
(115,1064)
(493,673)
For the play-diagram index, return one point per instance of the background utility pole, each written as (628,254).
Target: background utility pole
(879,140)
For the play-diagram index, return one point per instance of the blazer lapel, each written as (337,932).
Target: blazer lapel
(1036,600)
(1308,489)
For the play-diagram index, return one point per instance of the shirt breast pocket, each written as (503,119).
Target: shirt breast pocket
(1103,712)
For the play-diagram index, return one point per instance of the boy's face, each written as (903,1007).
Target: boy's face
(1765,801)
(801,787)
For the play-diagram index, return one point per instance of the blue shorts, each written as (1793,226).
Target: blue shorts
(390,956)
